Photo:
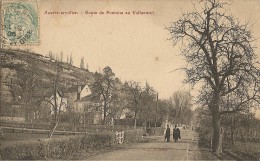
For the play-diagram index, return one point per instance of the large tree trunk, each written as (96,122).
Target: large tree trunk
(216,146)
(217,140)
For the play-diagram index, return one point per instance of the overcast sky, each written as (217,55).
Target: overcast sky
(134,46)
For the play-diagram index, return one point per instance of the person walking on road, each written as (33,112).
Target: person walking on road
(167,134)
(176,134)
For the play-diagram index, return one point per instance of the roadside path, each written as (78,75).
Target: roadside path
(185,149)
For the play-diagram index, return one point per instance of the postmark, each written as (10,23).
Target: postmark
(20,23)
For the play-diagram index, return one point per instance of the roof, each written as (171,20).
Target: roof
(74,88)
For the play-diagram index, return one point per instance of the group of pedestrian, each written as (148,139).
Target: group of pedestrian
(176,134)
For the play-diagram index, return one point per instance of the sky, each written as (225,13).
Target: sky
(135,46)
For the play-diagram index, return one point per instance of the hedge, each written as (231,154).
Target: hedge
(134,135)
(55,148)
(64,148)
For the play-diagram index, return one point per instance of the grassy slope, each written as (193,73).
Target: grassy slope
(71,74)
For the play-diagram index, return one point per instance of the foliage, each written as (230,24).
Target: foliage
(134,135)
(63,148)
(182,105)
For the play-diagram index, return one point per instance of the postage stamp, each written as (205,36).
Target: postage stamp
(20,23)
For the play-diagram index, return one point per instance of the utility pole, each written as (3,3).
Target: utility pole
(156,110)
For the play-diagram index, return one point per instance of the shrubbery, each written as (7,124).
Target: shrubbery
(64,148)
(133,135)
(56,148)
(158,130)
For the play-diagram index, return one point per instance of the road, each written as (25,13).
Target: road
(185,149)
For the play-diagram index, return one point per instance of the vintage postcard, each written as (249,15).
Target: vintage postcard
(129,80)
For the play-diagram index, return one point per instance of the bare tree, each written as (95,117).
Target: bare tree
(67,59)
(182,104)
(57,57)
(218,50)
(29,81)
(135,95)
(105,91)
(82,65)
(71,59)
(51,55)
(148,104)
(61,56)
(55,98)
(164,109)
(239,103)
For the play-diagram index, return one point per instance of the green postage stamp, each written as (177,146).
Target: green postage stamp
(20,22)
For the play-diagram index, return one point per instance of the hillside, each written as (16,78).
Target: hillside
(25,71)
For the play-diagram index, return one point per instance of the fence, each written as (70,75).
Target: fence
(68,127)
(4,130)
(64,130)
(240,134)
(120,137)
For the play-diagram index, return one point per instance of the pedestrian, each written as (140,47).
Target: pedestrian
(176,134)
(167,134)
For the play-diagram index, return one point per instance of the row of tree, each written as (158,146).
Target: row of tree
(59,57)
(141,103)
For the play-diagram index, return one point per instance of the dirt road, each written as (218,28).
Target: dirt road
(185,149)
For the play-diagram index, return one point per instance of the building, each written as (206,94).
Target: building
(84,110)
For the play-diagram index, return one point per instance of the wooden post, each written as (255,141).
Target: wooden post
(211,142)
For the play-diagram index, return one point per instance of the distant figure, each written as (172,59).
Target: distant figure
(1,133)
(167,134)
(176,134)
